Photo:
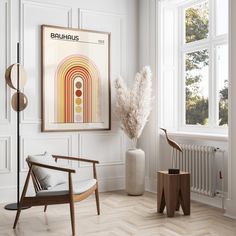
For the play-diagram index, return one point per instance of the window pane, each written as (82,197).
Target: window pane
(196,87)
(197,22)
(221,17)
(222,76)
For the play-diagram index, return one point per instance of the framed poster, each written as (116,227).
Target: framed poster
(75,79)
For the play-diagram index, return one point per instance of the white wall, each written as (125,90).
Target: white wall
(117,17)
(148,49)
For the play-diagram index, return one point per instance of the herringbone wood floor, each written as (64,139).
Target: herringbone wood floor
(121,215)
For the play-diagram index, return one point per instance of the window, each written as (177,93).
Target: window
(203,64)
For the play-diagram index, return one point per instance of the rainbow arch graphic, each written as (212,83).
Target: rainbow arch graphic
(76,90)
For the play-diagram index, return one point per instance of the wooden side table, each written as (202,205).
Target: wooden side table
(173,190)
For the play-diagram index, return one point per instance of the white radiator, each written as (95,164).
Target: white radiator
(200,162)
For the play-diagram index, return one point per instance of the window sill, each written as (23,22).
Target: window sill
(217,137)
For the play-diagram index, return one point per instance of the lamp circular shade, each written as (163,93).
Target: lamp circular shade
(11,76)
(23,101)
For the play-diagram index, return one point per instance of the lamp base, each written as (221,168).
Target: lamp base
(14,207)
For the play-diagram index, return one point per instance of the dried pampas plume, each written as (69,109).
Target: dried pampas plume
(133,106)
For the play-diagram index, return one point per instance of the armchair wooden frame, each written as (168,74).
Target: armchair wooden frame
(59,199)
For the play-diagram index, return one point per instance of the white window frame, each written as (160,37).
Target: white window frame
(210,44)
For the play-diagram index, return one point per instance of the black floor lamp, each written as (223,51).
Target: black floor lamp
(16,78)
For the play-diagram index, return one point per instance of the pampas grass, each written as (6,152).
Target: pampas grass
(133,106)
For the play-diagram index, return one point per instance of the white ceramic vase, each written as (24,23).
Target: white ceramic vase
(135,171)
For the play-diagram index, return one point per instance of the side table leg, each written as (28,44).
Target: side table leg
(161,202)
(185,194)
(160,193)
(171,189)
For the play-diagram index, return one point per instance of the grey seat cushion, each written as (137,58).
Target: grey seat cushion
(62,189)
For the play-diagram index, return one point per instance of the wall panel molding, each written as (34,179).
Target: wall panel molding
(116,25)
(117,32)
(5,40)
(32,114)
(61,145)
(5,147)
(108,148)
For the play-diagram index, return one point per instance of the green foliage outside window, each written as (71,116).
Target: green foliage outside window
(223,105)
(196,103)
(197,28)
(197,23)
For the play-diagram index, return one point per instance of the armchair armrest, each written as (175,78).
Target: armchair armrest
(75,159)
(52,167)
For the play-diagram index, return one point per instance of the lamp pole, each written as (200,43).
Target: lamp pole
(18,108)
(18,124)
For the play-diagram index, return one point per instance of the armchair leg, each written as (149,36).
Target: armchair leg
(22,197)
(45,208)
(72,216)
(17,216)
(71,201)
(97,201)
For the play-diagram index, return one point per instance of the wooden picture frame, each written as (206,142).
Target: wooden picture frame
(75,79)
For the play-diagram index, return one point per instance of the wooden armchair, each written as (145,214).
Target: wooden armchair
(59,194)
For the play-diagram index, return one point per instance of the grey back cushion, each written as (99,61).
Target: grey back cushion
(48,178)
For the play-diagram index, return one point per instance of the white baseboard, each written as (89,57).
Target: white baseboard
(211,201)
(111,184)
(8,194)
(230,209)
(150,184)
